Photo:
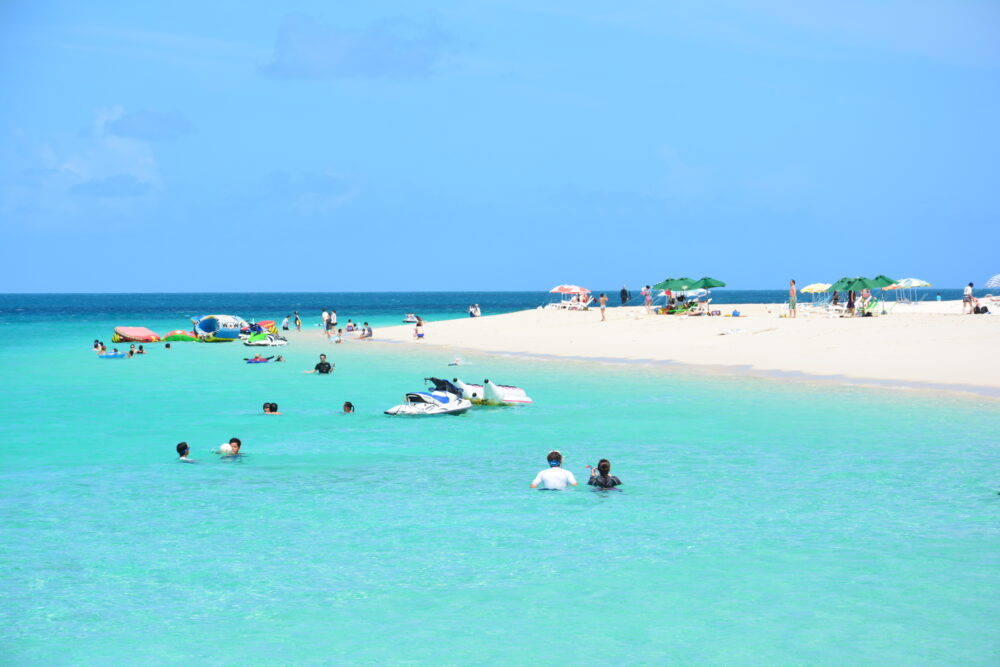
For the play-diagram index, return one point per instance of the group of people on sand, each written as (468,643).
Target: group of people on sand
(971,305)
(298,322)
(557,478)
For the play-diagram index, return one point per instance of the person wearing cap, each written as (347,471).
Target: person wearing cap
(554,478)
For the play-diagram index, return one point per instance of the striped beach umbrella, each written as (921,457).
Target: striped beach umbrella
(569,289)
(815,288)
(994,282)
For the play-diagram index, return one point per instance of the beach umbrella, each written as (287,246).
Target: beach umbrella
(815,288)
(883,281)
(993,282)
(675,284)
(706,283)
(909,283)
(839,286)
(569,289)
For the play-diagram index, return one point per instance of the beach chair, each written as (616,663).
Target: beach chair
(870,310)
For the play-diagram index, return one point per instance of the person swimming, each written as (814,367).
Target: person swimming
(554,478)
(271,409)
(182,451)
(140,350)
(348,407)
(601,476)
(231,448)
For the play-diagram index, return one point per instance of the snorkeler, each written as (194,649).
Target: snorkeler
(601,476)
(554,478)
(182,451)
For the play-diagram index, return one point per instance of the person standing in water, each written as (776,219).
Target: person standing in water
(284,323)
(554,478)
(323,367)
(601,476)
(793,296)
(298,321)
(182,451)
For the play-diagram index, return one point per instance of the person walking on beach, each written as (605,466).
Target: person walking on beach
(967,299)
(554,478)
(793,295)
(298,321)
(647,293)
(284,323)
(625,295)
(604,303)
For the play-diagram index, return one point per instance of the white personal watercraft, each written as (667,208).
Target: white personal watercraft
(444,399)
(410,319)
(265,340)
(490,393)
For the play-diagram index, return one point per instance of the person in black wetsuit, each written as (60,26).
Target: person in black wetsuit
(601,476)
(625,295)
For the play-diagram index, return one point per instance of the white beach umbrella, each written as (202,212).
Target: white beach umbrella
(994,282)
(569,289)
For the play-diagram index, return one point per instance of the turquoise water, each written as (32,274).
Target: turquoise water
(760,522)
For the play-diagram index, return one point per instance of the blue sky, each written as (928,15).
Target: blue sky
(495,145)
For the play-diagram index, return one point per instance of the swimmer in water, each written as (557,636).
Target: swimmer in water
(280,359)
(348,407)
(140,350)
(182,451)
(323,367)
(601,476)
(271,409)
(230,449)
(167,346)
(554,478)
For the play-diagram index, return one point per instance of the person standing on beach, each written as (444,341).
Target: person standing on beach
(326,321)
(793,296)
(625,295)
(284,323)
(967,298)
(604,303)
(298,321)
(647,293)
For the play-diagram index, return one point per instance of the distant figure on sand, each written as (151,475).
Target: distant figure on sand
(601,476)
(298,321)
(366,331)
(967,299)
(284,323)
(793,297)
(418,331)
(625,295)
(647,293)
(339,338)
(323,367)
(604,303)
(554,478)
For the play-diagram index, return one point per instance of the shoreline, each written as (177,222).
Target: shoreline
(930,350)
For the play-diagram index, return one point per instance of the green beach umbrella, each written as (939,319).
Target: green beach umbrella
(707,283)
(840,285)
(675,284)
(883,281)
(861,283)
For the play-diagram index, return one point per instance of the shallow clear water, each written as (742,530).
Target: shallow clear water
(760,522)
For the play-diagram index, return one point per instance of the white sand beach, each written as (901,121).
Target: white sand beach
(927,344)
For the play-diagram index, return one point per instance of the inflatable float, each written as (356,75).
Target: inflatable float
(134,335)
(120,355)
(255,360)
(218,328)
(180,335)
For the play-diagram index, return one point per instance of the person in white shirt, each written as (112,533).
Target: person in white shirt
(554,478)
(326,319)
(967,298)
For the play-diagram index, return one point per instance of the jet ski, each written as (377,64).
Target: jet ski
(410,319)
(265,340)
(444,399)
(490,393)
